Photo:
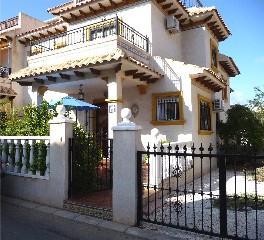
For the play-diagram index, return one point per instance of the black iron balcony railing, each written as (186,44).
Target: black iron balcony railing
(100,30)
(4,71)
(192,3)
(9,23)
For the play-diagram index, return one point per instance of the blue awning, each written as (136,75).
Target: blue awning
(74,103)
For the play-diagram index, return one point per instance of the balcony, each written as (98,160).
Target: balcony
(89,34)
(192,3)
(4,71)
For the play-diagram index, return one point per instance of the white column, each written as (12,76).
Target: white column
(114,101)
(125,145)
(38,93)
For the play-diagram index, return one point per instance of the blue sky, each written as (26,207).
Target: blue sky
(246,45)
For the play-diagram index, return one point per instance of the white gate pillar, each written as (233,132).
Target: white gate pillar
(61,130)
(125,145)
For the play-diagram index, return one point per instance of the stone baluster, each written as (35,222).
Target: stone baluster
(17,156)
(10,160)
(4,155)
(39,155)
(31,143)
(47,142)
(24,169)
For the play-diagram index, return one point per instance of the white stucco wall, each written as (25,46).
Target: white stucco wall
(196,47)
(164,44)
(137,15)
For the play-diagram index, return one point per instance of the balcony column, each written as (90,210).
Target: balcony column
(38,93)
(114,101)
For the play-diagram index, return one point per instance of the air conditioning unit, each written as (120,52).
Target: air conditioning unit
(172,24)
(218,105)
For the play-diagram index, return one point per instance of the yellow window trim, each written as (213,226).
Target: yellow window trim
(155,96)
(204,132)
(212,47)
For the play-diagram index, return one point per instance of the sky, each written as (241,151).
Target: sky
(246,45)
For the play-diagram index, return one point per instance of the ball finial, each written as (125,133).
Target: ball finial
(126,115)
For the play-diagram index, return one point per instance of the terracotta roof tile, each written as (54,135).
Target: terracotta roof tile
(200,10)
(45,26)
(118,54)
(63,5)
(5,91)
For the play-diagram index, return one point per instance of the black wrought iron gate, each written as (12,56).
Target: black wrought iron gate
(90,164)
(196,190)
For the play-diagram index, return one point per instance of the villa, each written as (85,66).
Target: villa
(160,58)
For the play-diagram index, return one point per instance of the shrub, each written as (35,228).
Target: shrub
(242,129)
(34,121)
(87,156)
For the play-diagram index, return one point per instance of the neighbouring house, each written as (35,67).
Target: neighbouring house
(10,49)
(159,58)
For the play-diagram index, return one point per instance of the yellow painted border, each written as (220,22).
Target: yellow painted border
(204,132)
(212,47)
(155,122)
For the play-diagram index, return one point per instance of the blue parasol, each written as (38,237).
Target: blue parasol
(74,103)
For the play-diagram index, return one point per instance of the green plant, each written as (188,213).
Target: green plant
(87,156)
(34,121)
(41,163)
(34,165)
(242,129)
(257,104)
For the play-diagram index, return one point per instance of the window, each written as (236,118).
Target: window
(101,30)
(214,56)
(205,115)
(167,109)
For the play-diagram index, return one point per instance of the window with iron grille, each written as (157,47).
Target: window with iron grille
(205,115)
(167,109)
(102,31)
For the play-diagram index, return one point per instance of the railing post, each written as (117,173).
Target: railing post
(222,196)
(117,25)
(147,44)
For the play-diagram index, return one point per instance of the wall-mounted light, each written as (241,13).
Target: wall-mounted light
(81,93)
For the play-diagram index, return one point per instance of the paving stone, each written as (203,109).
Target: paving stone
(66,214)
(47,209)
(88,220)
(114,226)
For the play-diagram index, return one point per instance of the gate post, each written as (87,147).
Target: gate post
(126,142)
(222,196)
(61,130)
